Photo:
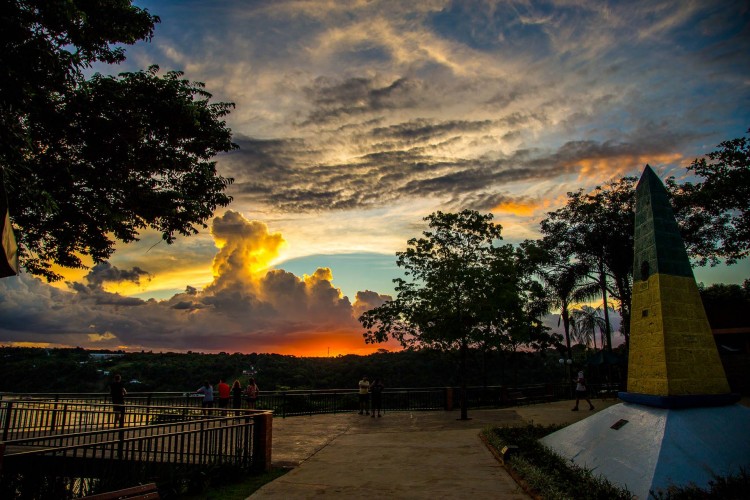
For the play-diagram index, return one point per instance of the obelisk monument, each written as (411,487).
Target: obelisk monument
(673,361)
(679,423)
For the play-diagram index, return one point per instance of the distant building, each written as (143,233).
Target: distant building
(100,356)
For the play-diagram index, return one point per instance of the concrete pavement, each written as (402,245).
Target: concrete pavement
(401,455)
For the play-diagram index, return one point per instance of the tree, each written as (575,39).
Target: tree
(587,321)
(563,281)
(596,228)
(88,161)
(459,288)
(714,214)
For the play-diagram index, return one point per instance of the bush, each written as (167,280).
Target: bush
(544,473)
(735,487)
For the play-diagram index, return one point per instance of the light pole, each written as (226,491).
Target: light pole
(565,364)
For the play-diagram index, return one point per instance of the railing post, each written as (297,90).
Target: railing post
(448,395)
(262,433)
(120,438)
(6,424)
(283,404)
(54,414)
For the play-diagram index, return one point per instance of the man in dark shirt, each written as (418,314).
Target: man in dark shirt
(117,393)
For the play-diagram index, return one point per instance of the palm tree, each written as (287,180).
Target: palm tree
(562,283)
(587,320)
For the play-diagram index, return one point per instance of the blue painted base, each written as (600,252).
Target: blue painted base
(678,402)
(649,449)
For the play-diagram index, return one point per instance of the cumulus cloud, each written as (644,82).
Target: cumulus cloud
(249,306)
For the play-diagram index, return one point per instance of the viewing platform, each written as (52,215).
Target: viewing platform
(419,454)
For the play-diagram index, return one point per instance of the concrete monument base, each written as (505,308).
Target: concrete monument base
(645,449)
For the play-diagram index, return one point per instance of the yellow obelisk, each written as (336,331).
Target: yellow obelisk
(672,350)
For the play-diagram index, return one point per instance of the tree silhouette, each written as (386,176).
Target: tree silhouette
(587,321)
(88,161)
(596,228)
(460,287)
(714,214)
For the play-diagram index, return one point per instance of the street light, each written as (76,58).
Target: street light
(565,363)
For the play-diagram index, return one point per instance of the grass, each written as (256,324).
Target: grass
(237,489)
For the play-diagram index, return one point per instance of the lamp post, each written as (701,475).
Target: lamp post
(565,364)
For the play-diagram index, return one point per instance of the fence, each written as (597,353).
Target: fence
(77,441)
(308,402)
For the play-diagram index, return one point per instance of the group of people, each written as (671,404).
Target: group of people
(370,396)
(225,394)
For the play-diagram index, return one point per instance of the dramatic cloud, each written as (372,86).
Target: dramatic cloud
(248,307)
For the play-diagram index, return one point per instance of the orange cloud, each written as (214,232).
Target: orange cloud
(594,169)
(521,208)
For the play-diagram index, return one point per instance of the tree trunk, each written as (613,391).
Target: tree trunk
(464,402)
(566,328)
(603,285)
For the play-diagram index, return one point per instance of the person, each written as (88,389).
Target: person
(236,395)
(376,390)
(208,396)
(117,393)
(581,391)
(364,387)
(251,391)
(224,393)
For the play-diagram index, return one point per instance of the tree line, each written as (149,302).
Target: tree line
(74,370)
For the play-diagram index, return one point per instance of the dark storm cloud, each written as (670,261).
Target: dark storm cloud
(412,159)
(424,130)
(106,272)
(356,96)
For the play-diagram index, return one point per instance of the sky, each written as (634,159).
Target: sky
(357,119)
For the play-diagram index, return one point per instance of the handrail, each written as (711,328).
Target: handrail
(311,401)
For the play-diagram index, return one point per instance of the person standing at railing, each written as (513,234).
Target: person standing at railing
(251,391)
(364,395)
(208,396)
(224,393)
(117,394)
(236,395)
(376,390)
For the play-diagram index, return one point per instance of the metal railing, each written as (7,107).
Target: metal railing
(28,418)
(77,441)
(309,402)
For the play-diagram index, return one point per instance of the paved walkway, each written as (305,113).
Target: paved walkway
(401,455)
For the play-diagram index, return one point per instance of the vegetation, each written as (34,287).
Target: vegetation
(734,487)
(715,212)
(90,160)
(229,487)
(73,370)
(545,474)
(595,230)
(461,291)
